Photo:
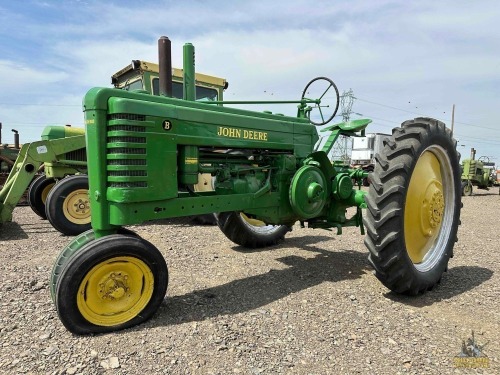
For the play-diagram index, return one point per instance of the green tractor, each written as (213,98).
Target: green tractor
(8,155)
(61,193)
(480,173)
(60,150)
(145,153)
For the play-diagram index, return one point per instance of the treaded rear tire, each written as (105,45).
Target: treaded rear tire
(238,230)
(387,200)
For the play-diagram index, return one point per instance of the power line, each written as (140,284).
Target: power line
(464,137)
(424,115)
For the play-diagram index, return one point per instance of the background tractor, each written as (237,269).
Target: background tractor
(8,155)
(480,173)
(145,153)
(59,150)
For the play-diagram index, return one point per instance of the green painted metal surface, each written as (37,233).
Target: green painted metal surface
(144,152)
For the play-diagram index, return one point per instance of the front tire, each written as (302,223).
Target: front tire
(68,205)
(38,192)
(76,245)
(414,205)
(250,233)
(113,283)
(466,188)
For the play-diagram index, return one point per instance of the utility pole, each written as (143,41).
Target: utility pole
(452,118)
(341,149)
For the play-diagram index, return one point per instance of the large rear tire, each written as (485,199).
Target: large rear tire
(114,282)
(68,205)
(414,204)
(250,233)
(38,192)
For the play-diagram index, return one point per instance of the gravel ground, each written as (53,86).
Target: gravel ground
(308,306)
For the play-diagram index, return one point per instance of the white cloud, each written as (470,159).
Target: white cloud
(18,77)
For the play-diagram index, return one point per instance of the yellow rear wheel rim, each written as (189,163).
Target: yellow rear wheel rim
(424,207)
(254,222)
(76,207)
(115,291)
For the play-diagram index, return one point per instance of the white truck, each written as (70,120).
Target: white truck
(364,150)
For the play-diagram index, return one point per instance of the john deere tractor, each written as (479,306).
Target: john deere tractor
(145,153)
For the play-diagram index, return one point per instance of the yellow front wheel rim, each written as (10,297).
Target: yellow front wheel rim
(115,291)
(76,207)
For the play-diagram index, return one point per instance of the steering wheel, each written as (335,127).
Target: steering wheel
(484,159)
(318,88)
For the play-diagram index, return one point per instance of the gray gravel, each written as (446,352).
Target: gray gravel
(309,306)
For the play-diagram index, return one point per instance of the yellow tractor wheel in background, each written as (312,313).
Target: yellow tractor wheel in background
(38,192)
(414,205)
(68,205)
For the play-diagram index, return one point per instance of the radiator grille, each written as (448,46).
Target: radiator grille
(127,151)
(126,136)
(141,184)
(77,155)
(126,116)
(127,173)
(127,162)
(127,128)
(127,139)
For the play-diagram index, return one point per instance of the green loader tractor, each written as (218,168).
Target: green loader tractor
(145,153)
(61,151)
(61,193)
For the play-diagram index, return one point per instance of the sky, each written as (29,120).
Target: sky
(401,59)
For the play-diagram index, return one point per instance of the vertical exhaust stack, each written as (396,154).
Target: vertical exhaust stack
(189,155)
(189,73)
(165,66)
(16,139)
(0,133)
